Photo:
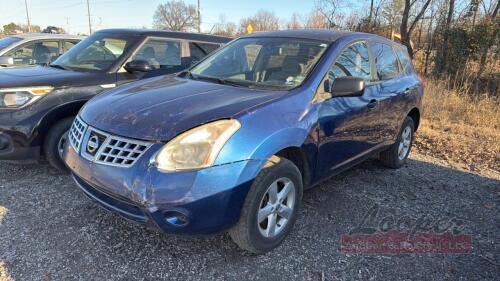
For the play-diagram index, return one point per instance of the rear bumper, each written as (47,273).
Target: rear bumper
(196,202)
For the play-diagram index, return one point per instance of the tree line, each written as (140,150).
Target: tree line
(455,38)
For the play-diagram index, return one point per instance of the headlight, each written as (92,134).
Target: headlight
(20,97)
(197,148)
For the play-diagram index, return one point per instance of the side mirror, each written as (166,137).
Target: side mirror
(6,61)
(137,66)
(347,87)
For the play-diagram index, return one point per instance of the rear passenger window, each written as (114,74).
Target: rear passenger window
(385,60)
(207,47)
(353,61)
(68,45)
(403,56)
(197,53)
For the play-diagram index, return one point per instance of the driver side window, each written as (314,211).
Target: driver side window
(353,61)
(105,50)
(160,53)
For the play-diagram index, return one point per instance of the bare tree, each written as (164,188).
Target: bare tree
(295,22)
(176,15)
(224,28)
(316,19)
(407,26)
(262,21)
(329,9)
(391,12)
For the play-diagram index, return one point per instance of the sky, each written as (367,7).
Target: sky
(72,14)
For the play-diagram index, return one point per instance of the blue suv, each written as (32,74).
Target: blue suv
(230,144)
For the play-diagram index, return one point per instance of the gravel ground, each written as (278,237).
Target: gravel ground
(50,231)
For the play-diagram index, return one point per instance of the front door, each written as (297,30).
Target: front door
(349,127)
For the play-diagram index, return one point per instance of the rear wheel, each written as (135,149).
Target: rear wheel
(270,209)
(397,154)
(54,143)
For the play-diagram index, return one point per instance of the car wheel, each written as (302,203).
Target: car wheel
(54,143)
(397,154)
(270,208)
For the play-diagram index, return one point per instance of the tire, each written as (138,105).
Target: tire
(52,143)
(392,157)
(248,233)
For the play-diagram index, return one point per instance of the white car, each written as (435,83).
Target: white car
(34,48)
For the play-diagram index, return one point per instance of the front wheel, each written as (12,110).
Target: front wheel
(270,208)
(397,154)
(54,143)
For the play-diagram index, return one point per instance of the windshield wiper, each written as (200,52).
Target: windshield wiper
(58,66)
(218,80)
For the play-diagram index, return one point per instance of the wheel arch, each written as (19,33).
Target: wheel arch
(53,116)
(292,144)
(415,115)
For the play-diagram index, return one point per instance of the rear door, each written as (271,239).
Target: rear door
(391,89)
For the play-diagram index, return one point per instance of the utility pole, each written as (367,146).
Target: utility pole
(88,12)
(67,25)
(199,18)
(27,15)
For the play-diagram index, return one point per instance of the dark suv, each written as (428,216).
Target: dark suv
(38,104)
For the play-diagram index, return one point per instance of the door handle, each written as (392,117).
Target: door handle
(372,104)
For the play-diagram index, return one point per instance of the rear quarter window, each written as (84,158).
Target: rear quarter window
(403,56)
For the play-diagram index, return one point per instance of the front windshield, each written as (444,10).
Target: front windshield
(281,63)
(7,41)
(96,53)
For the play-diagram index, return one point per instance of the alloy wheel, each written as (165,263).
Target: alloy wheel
(276,207)
(404,144)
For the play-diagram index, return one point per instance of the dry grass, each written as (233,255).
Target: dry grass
(460,127)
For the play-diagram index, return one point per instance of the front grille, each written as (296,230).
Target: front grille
(76,133)
(103,148)
(117,151)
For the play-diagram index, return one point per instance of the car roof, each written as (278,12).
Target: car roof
(317,34)
(165,33)
(47,36)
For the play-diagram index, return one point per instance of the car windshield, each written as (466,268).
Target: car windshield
(271,63)
(7,41)
(96,53)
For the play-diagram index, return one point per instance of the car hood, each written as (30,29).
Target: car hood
(158,109)
(29,76)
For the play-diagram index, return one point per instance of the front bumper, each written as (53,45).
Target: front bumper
(195,202)
(17,138)
(15,147)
